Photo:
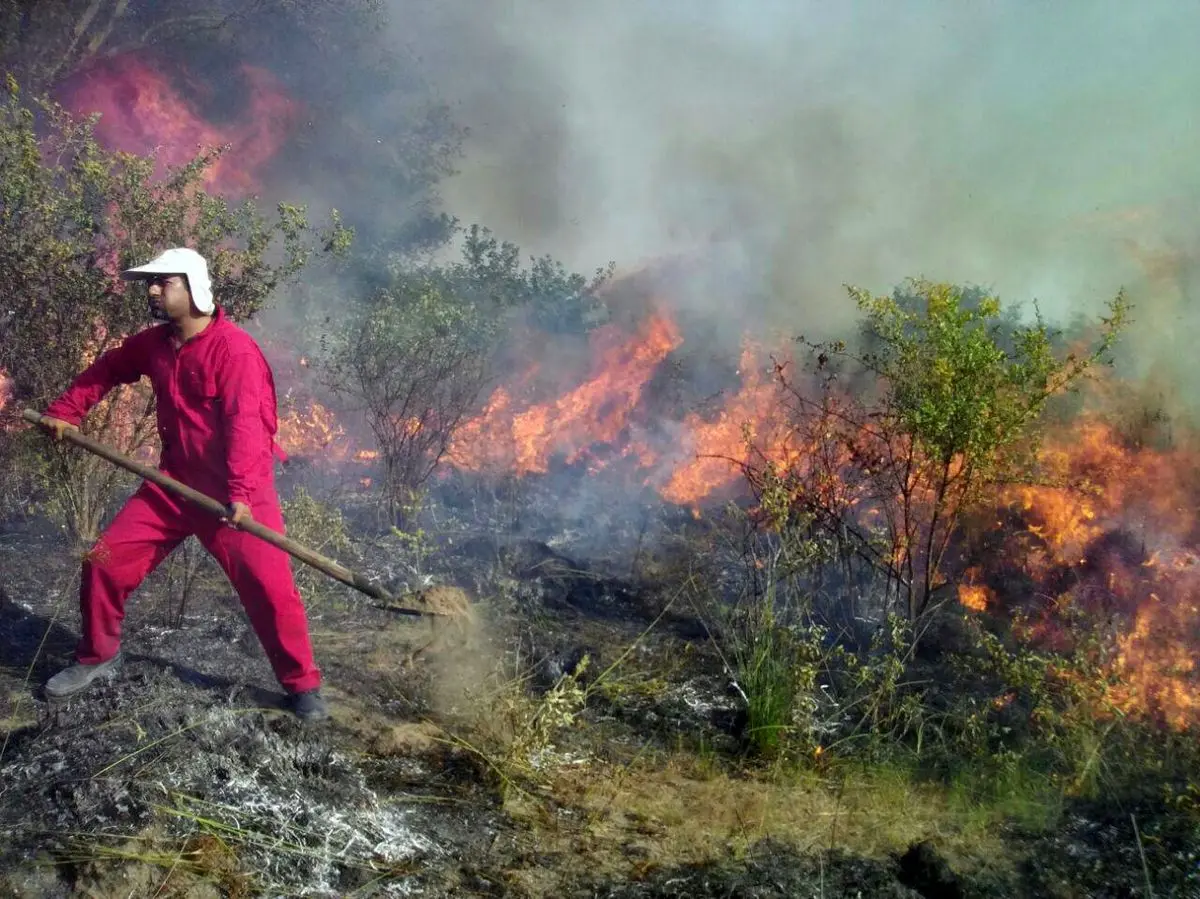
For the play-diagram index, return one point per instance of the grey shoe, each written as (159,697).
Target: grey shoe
(308,706)
(78,677)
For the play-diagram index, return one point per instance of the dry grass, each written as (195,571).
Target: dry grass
(446,602)
(154,864)
(660,810)
(17,710)
(624,821)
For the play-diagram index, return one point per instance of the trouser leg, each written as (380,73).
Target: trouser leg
(141,535)
(262,576)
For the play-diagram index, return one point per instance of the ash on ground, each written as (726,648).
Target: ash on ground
(190,740)
(184,777)
(149,751)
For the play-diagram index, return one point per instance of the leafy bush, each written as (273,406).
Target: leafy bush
(901,438)
(414,358)
(413,362)
(910,430)
(72,215)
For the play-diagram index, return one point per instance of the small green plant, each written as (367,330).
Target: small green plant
(558,709)
(777,667)
(412,549)
(514,736)
(882,712)
(322,527)
(513,732)
(766,637)
(766,678)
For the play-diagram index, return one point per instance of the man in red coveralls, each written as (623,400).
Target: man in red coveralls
(216,421)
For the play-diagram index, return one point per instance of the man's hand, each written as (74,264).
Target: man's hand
(239,514)
(57,426)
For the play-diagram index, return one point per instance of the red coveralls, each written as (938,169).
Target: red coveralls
(216,420)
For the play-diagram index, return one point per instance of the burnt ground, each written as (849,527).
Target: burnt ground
(183,777)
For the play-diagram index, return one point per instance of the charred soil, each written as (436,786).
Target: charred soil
(183,776)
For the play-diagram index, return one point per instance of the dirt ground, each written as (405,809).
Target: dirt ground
(184,777)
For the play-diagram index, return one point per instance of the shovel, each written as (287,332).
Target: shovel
(311,557)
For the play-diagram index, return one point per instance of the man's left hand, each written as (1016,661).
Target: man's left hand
(239,514)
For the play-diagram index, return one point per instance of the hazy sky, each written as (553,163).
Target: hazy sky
(1013,144)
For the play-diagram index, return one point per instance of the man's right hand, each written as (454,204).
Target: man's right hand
(57,426)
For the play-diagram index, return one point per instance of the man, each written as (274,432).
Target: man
(216,421)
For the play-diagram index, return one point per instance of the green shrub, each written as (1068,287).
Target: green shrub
(72,215)
(321,527)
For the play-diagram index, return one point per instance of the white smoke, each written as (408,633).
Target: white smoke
(1012,145)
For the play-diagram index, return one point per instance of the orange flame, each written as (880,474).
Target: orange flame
(595,412)
(1103,488)
(1095,490)
(974,596)
(717,447)
(1157,662)
(142,112)
(705,451)
(312,431)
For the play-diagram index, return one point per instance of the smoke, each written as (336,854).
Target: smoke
(779,149)
(800,145)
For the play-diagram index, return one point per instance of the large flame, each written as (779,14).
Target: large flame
(715,447)
(1112,534)
(596,412)
(1074,526)
(1108,528)
(141,111)
(686,460)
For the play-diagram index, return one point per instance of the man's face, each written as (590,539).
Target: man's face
(169,297)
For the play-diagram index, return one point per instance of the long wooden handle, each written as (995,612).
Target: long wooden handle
(335,570)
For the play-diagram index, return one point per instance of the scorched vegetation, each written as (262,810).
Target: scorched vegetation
(898,614)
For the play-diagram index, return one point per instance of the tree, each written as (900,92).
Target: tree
(900,436)
(373,131)
(412,362)
(45,42)
(72,215)
(414,357)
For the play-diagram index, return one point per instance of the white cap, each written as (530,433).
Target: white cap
(179,261)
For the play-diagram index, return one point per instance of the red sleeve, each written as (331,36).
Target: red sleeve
(247,442)
(120,365)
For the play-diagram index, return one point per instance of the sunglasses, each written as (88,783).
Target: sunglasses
(163,280)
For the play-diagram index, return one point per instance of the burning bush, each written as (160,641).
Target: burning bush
(902,436)
(414,358)
(413,362)
(72,215)
(864,475)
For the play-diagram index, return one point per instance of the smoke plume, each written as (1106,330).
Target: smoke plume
(776,150)
(1039,150)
